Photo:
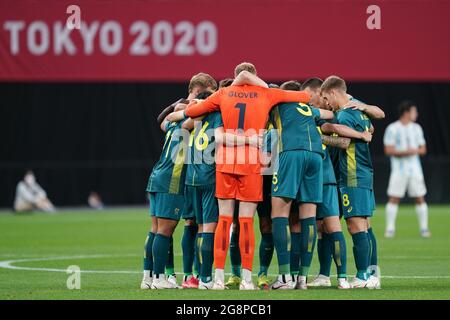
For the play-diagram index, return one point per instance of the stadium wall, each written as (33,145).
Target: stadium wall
(82,137)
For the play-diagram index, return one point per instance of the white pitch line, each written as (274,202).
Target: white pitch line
(8,264)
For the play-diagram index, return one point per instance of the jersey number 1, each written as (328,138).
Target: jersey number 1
(241,107)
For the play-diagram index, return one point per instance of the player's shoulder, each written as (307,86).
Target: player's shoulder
(347,113)
(416,126)
(393,126)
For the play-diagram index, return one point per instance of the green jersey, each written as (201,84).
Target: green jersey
(355,164)
(296,127)
(328,171)
(168,174)
(201,168)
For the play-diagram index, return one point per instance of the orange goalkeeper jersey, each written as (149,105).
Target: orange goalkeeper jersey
(246,108)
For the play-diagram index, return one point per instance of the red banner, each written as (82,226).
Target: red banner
(135,40)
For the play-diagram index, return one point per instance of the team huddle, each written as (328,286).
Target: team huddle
(297,154)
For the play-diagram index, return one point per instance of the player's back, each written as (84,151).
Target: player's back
(169,173)
(245,110)
(245,107)
(296,127)
(355,168)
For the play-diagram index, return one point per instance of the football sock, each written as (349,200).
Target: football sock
(282,241)
(206,256)
(324,253)
(422,215)
(197,261)
(295,253)
(265,252)
(169,263)
(160,249)
(247,242)
(339,252)
(391,216)
(221,241)
(373,261)
(188,248)
(307,243)
(361,252)
(235,254)
(148,257)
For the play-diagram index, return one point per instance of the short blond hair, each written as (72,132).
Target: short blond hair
(333,82)
(247,66)
(203,81)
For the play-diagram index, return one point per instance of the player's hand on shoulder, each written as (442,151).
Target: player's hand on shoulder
(355,105)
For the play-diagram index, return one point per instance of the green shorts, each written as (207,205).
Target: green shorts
(201,203)
(330,204)
(166,205)
(357,202)
(299,176)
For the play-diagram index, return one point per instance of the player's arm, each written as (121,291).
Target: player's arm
(277,96)
(247,78)
(344,131)
(169,109)
(335,141)
(373,112)
(326,114)
(392,152)
(210,104)
(190,123)
(422,150)
(231,139)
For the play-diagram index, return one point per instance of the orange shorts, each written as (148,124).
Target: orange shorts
(240,187)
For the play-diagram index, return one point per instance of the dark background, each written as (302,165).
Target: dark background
(104,137)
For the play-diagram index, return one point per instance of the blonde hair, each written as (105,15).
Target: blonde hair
(203,81)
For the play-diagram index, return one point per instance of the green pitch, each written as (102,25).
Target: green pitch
(36,249)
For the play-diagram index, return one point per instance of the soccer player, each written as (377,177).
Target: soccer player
(356,179)
(200,191)
(299,177)
(331,241)
(201,82)
(404,143)
(244,111)
(166,191)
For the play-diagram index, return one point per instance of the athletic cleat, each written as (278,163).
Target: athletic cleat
(247,285)
(283,282)
(320,281)
(301,283)
(263,282)
(219,285)
(389,234)
(343,283)
(357,283)
(233,282)
(172,279)
(146,283)
(163,283)
(190,282)
(425,233)
(373,283)
(205,285)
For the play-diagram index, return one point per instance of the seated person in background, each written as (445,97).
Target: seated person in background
(30,195)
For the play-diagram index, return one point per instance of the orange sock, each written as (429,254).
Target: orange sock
(222,241)
(247,242)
